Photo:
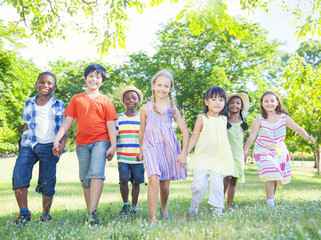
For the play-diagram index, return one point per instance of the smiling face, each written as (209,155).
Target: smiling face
(162,86)
(235,105)
(46,84)
(131,100)
(269,103)
(215,104)
(94,81)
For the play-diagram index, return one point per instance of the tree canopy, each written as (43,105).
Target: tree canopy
(106,21)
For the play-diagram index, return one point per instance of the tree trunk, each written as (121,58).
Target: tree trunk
(301,158)
(318,154)
(292,157)
(316,157)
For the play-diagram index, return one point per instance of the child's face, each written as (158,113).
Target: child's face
(93,81)
(161,86)
(269,103)
(45,85)
(215,104)
(131,100)
(235,105)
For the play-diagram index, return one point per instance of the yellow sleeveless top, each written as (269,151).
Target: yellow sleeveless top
(212,150)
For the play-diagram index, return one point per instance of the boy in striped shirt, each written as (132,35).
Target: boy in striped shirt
(127,127)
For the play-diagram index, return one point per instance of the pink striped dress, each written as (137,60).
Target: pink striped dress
(160,147)
(271,154)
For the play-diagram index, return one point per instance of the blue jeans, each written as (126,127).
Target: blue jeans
(27,158)
(133,172)
(92,161)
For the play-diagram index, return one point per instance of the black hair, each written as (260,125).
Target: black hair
(213,92)
(96,68)
(49,74)
(244,124)
(131,91)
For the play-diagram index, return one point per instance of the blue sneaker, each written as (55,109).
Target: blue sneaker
(24,217)
(125,211)
(92,218)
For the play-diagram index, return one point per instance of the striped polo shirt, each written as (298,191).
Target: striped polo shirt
(127,138)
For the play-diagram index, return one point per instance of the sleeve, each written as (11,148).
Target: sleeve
(70,110)
(24,116)
(110,111)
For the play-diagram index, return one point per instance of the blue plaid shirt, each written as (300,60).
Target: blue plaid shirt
(29,138)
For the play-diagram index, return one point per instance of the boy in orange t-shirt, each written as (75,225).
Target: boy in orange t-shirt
(96,135)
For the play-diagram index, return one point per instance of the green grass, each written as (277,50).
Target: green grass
(297,214)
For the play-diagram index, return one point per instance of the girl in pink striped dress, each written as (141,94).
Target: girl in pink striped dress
(270,152)
(159,148)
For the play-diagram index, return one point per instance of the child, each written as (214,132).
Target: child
(159,147)
(212,153)
(42,116)
(238,104)
(270,152)
(96,136)
(127,127)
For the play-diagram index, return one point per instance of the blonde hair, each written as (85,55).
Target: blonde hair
(166,74)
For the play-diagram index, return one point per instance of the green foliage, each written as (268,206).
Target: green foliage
(249,64)
(302,84)
(306,14)
(17,78)
(311,52)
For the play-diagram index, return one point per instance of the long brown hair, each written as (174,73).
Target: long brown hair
(166,74)
(279,108)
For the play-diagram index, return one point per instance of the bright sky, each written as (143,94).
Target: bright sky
(141,34)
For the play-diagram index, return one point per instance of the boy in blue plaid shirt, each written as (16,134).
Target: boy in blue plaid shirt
(42,116)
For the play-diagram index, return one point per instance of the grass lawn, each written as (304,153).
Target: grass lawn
(297,214)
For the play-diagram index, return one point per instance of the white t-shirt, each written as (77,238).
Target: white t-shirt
(45,130)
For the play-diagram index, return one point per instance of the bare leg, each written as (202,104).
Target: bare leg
(270,187)
(96,188)
(87,196)
(226,181)
(124,189)
(164,193)
(135,194)
(231,192)
(46,203)
(152,197)
(21,197)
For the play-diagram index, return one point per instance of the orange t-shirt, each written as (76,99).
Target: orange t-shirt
(91,115)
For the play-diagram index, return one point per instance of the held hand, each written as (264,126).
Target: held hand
(311,139)
(110,153)
(57,150)
(182,160)
(139,157)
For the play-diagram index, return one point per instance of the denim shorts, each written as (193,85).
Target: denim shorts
(27,158)
(92,161)
(133,172)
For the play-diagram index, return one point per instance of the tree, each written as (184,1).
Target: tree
(106,20)
(303,90)
(306,14)
(249,64)
(17,79)
(311,52)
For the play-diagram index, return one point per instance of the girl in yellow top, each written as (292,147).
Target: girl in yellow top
(212,152)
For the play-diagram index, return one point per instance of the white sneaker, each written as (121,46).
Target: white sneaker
(193,209)
(218,213)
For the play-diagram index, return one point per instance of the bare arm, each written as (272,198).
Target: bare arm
(112,136)
(296,128)
(196,133)
(182,158)
(255,130)
(143,116)
(62,132)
